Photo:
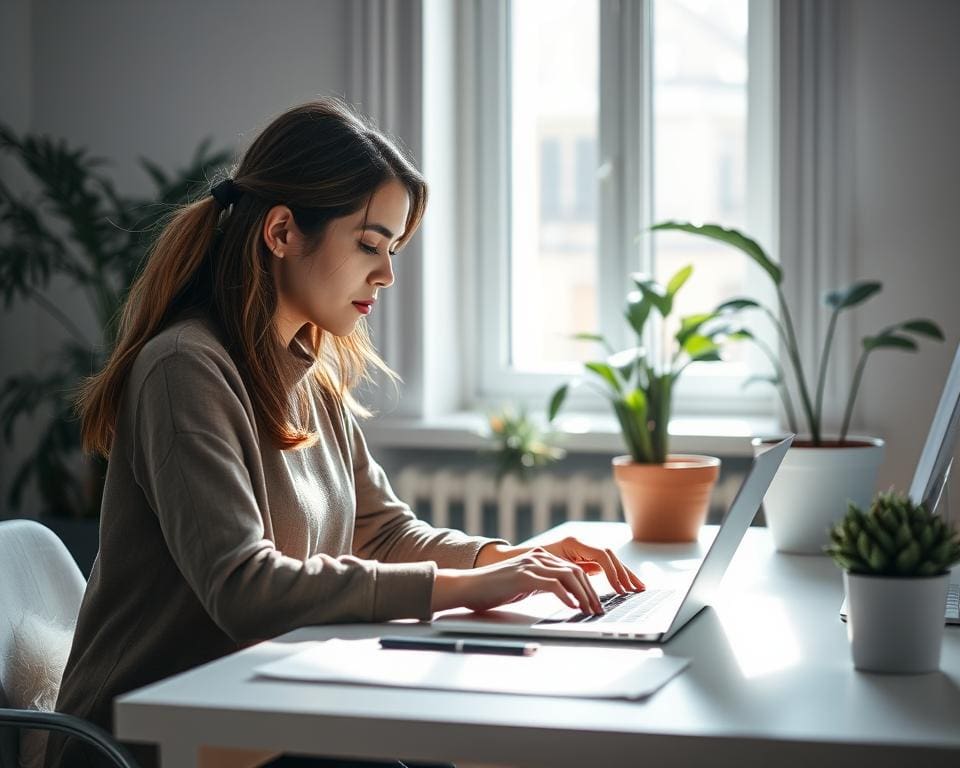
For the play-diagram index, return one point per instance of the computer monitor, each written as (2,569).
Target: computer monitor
(933,469)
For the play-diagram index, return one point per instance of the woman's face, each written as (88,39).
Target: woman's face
(338,283)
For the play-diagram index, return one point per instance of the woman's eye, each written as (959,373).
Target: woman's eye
(371,249)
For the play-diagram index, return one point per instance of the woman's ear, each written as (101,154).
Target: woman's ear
(279,230)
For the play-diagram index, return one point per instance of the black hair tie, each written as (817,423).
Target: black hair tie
(226,193)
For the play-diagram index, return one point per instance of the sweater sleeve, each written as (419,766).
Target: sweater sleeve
(196,446)
(387,530)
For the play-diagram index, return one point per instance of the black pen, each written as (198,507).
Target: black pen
(454,645)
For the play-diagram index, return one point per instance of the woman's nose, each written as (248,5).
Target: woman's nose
(383,275)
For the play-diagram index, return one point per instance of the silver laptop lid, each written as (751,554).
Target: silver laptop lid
(933,468)
(731,533)
(520,619)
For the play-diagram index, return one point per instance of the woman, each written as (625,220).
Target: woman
(241,501)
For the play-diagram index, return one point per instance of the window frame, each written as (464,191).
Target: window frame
(624,208)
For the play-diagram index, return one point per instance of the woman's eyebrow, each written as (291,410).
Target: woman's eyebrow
(378,228)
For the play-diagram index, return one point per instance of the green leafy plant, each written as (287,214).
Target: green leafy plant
(520,446)
(76,226)
(895,537)
(640,390)
(896,336)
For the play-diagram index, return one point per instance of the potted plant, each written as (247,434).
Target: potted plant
(75,226)
(821,471)
(665,496)
(896,561)
(519,445)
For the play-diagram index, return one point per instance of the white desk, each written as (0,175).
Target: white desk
(771,681)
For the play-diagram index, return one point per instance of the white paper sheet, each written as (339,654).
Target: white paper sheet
(590,672)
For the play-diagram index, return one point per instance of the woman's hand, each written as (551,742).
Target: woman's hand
(595,560)
(512,579)
(590,559)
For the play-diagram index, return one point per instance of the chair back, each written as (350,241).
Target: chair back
(39,578)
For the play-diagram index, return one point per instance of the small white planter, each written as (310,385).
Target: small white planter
(812,488)
(895,624)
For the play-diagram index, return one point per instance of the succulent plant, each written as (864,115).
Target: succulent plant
(895,537)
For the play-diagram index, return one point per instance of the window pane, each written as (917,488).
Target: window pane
(553,127)
(700,147)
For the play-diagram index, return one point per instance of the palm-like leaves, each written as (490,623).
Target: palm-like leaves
(639,392)
(838,301)
(78,226)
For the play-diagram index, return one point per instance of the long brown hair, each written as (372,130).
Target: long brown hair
(324,161)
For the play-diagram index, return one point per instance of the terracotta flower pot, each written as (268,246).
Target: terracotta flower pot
(666,502)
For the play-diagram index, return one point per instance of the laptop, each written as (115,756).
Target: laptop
(651,616)
(930,478)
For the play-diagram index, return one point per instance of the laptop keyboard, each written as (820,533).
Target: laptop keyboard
(953,603)
(631,607)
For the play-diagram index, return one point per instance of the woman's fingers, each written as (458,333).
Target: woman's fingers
(627,577)
(573,579)
(620,577)
(608,562)
(544,584)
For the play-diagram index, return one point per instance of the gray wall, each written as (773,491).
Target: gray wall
(905,104)
(129,78)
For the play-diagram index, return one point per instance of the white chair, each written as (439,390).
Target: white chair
(40,586)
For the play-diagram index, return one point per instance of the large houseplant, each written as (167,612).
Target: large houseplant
(665,497)
(896,559)
(821,472)
(76,226)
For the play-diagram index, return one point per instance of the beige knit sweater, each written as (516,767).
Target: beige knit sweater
(211,539)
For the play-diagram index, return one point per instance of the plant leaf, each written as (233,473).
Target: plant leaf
(735,305)
(731,237)
(855,294)
(889,341)
(556,400)
(676,282)
(606,373)
(638,310)
(924,328)
(654,293)
(624,361)
(697,344)
(712,356)
(691,324)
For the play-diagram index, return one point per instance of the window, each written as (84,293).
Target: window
(596,118)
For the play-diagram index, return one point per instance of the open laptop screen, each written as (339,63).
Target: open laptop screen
(936,458)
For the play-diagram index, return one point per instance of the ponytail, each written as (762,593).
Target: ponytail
(173,261)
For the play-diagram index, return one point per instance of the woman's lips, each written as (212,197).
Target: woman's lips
(363,307)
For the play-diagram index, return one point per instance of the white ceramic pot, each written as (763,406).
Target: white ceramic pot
(812,488)
(895,624)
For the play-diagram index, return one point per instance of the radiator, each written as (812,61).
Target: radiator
(513,510)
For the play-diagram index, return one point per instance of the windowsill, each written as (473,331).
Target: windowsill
(579,433)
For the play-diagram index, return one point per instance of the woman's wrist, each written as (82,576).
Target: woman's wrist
(496,552)
(445,593)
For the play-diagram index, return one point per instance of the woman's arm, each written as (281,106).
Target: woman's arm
(387,530)
(196,458)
